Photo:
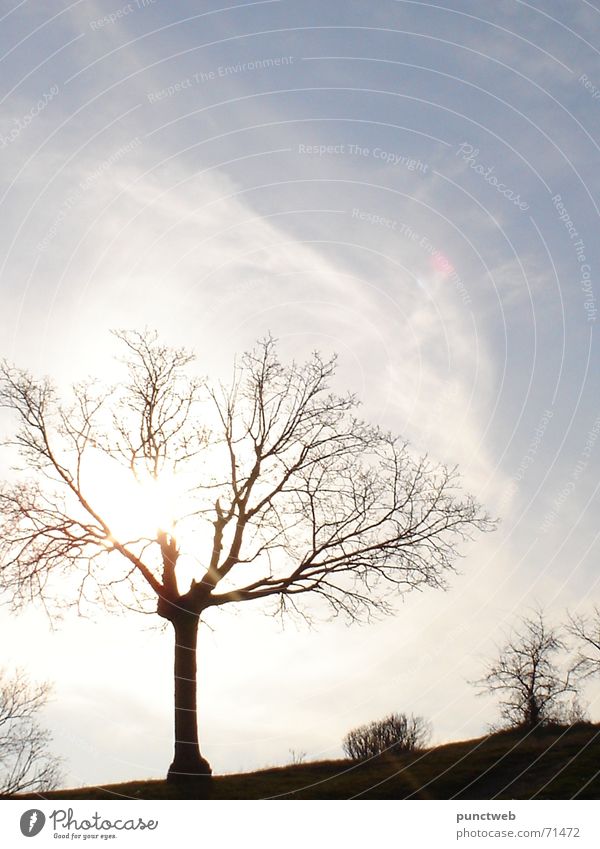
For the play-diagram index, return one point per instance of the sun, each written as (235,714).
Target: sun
(133,507)
(137,507)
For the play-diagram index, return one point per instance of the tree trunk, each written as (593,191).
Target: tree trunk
(188,764)
(533,713)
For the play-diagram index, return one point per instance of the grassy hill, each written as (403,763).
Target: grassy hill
(555,763)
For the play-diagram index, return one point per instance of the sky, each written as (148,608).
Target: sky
(411,185)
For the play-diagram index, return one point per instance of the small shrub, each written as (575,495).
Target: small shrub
(395,733)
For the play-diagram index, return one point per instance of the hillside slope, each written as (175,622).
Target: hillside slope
(554,763)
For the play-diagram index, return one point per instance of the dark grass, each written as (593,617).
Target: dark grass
(552,763)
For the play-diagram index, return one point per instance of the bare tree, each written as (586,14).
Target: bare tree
(527,675)
(394,734)
(586,631)
(298,756)
(26,762)
(284,493)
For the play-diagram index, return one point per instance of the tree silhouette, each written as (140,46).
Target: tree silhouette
(586,631)
(393,734)
(26,763)
(528,676)
(282,492)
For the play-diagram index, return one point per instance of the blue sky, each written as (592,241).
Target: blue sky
(412,185)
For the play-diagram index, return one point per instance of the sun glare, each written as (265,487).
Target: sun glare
(134,508)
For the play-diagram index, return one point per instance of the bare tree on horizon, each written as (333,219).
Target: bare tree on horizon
(586,631)
(527,675)
(26,762)
(287,494)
